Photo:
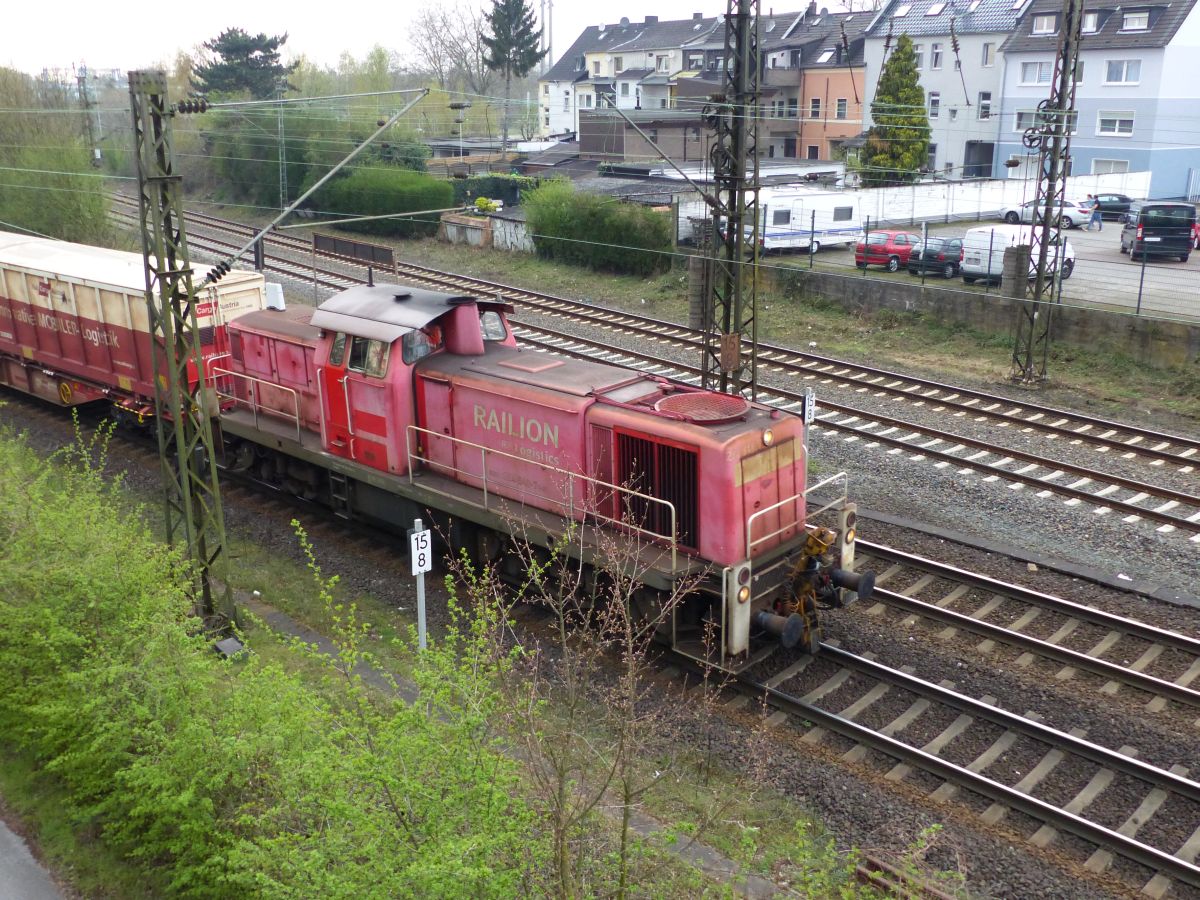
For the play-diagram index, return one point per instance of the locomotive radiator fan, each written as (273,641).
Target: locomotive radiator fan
(815,583)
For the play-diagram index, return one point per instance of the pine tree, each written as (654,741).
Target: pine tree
(242,63)
(898,143)
(511,47)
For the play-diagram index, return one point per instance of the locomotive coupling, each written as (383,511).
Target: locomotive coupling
(789,629)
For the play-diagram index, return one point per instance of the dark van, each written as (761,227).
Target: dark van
(1158,228)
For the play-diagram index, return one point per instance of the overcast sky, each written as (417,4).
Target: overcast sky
(138,34)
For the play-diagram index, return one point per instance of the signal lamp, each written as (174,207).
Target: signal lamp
(743,594)
(768,437)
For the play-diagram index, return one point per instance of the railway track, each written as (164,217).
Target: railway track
(1106,436)
(965,744)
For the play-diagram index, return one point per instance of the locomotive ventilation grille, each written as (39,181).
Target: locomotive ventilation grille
(704,408)
(662,471)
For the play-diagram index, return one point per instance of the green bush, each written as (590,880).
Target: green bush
(378,191)
(237,778)
(598,232)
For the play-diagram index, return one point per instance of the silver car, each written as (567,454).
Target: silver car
(1070,213)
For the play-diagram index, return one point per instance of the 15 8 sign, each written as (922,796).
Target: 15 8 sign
(421,551)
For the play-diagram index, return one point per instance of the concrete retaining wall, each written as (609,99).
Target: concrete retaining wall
(1151,342)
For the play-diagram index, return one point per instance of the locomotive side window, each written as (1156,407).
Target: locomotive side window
(368,357)
(419,344)
(492,325)
(338,352)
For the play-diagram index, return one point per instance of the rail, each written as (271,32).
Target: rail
(574,482)
(253,395)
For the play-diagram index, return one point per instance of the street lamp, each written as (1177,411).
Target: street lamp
(460,107)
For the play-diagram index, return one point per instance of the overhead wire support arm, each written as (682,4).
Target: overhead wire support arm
(225,265)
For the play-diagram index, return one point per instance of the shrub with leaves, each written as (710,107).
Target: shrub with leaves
(380,191)
(601,233)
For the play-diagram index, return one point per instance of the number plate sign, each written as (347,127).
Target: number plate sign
(421,551)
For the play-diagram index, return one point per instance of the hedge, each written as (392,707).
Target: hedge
(601,233)
(379,191)
(508,188)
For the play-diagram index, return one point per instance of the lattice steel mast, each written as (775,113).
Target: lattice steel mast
(1050,135)
(731,329)
(192,496)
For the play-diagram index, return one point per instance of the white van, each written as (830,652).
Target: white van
(983,251)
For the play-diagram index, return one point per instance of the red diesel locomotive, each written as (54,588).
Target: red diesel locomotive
(389,403)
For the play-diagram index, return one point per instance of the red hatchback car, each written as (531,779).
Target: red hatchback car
(889,249)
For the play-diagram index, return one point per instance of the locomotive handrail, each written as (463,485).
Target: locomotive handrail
(752,543)
(569,503)
(254,396)
(211,362)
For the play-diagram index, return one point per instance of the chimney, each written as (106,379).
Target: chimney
(696,17)
(653,20)
(812,10)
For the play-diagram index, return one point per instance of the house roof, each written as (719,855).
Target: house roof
(627,37)
(1165,21)
(920,17)
(633,74)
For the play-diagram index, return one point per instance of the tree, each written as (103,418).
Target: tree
(897,144)
(449,46)
(512,47)
(242,63)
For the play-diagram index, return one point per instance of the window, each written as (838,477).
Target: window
(902,11)
(843,213)
(1036,72)
(935,56)
(662,103)
(1091,22)
(1119,124)
(985,104)
(618,64)
(662,63)
(931,158)
(419,344)
(841,108)
(546,121)
(652,133)
(1045,24)
(974,5)
(935,9)
(814,151)
(935,103)
(781,217)
(596,67)
(1078,71)
(491,325)
(953,113)
(1034,118)
(585,100)
(624,88)
(826,55)
(989,55)
(793,107)
(1123,71)
(1135,21)
(1110,166)
(545,90)
(919,50)
(814,108)
(566,101)
(695,60)
(338,352)
(371,357)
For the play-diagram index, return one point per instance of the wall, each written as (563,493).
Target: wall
(1151,342)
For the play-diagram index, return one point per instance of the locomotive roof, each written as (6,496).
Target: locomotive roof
(384,312)
(580,377)
(83,262)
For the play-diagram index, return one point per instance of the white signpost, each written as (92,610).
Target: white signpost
(420,549)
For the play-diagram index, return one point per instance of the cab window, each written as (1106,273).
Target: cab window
(369,357)
(491,323)
(338,352)
(418,344)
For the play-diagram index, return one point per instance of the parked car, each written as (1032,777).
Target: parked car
(937,256)
(1113,206)
(1070,213)
(1196,235)
(1159,228)
(889,249)
(983,251)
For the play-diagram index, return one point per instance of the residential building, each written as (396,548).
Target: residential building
(962,85)
(627,66)
(1135,90)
